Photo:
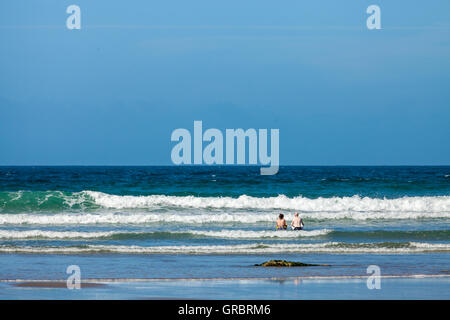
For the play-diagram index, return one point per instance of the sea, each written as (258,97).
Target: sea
(217,222)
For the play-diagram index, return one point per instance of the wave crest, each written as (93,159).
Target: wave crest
(334,204)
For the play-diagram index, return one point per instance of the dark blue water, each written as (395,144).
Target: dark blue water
(311,182)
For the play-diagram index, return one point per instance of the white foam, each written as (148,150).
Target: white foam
(32,234)
(436,204)
(246,234)
(329,247)
(201,218)
(17,196)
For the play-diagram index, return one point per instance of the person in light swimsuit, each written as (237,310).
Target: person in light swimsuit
(297,222)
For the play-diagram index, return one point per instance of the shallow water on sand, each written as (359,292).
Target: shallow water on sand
(398,288)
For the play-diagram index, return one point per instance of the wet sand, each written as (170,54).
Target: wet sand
(417,287)
(53,284)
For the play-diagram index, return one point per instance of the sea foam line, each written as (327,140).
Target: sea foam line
(33,234)
(328,247)
(261,234)
(333,277)
(194,218)
(243,234)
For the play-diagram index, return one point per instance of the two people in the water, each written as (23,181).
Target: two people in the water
(296,224)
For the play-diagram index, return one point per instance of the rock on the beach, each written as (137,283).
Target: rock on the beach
(284,263)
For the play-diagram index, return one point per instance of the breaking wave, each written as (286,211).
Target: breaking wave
(334,204)
(205,209)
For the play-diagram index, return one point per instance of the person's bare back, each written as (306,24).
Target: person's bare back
(281,222)
(297,222)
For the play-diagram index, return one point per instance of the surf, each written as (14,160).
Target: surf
(86,201)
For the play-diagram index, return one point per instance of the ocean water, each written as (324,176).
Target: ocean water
(217,222)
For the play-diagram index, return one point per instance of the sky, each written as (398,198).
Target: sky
(112,92)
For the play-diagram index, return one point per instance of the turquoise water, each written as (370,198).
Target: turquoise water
(217,222)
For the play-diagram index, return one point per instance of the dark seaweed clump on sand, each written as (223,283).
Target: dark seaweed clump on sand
(284,263)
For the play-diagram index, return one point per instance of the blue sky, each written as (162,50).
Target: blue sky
(112,92)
